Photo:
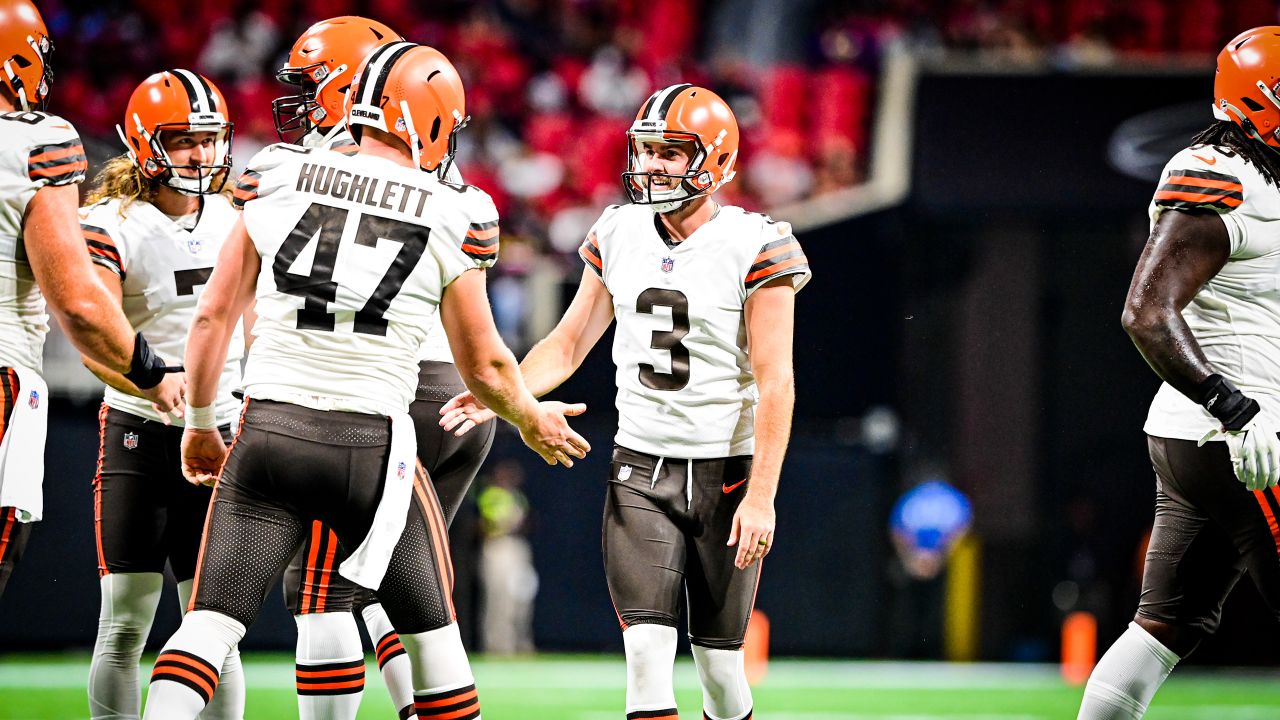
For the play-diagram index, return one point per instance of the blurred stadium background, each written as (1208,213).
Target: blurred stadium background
(970,181)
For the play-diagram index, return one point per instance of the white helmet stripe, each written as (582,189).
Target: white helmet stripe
(662,101)
(201,98)
(371,84)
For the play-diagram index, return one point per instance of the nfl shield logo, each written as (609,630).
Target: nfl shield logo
(34,400)
(400,470)
(194,244)
(668,264)
(624,472)
(130,441)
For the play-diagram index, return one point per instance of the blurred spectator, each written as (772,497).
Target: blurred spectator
(507,573)
(240,45)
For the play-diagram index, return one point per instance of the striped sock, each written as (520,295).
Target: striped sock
(330,689)
(186,673)
(393,661)
(175,670)
(459,704)
(663,714)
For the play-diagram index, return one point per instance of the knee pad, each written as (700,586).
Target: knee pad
(651,654)
(725,693)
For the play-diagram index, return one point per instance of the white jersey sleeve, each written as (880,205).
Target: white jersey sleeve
(163,268)
(1235,317)
(685,383)
(356,254)
(36,150)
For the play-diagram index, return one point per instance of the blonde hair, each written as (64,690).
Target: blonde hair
(120,179)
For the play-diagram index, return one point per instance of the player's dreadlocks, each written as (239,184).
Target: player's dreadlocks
(1229,135)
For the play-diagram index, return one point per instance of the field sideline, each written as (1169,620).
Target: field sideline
(563,687)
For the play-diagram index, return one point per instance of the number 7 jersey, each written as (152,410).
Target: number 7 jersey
(356,254)
(685,384)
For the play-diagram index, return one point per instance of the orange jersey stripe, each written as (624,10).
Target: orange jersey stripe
(91,235)
(1205,182)
(55,154)
(596,262)
(61,170)
(477,250)
(781,250)
(1198,197)
(483,234)
(765,272)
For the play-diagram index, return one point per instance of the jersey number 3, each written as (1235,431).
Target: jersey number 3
(319,289)
(668,340)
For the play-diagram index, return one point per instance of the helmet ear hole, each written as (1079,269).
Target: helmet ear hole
(1252,104)
(21,62)
(435,129)
(720,161)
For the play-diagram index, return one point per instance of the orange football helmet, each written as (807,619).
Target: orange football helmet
(1246,87)
(26,50)
(413,92)
(322,64)
(181,101)
(678,114)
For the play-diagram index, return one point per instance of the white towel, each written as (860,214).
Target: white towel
(22,450)
(368,563)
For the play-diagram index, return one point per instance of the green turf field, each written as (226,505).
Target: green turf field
(591,688)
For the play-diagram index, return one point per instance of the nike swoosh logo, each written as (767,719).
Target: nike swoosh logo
(730,488)
(1205,160)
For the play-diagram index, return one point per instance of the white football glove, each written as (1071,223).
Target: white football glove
(1255,451)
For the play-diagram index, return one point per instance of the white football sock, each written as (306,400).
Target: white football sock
(129,603)
(1127,677)
(443,684)
(228,701)
(330,669)
(651,657)
(725,692)
(393,661)
(186,672)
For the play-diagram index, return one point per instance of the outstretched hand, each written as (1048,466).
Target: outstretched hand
(464,412)
(549,434)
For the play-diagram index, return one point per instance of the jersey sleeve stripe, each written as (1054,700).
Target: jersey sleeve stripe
(1206,175)
(776,249)
(51,155)
(483,236)
(1187,200)
(351,149)
(787,267)
(1230,185)
(480,253)
(590,254)
(796,252)
(60,164)
(1237,194)
(246,188)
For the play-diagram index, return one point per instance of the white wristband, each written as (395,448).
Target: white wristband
(201,418)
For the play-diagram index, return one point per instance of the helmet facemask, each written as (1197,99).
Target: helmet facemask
(638,182)
(43,49)
(209,178)
(297,116)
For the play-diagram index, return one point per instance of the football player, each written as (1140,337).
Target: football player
(336,250)
(1204,311)
(42,258)
(155,224)
(703,295)
(321,65)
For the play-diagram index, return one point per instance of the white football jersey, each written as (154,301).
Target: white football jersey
(36,149)
(685,385)
(1236,315)
(356,254)
(436,346)
(163,269)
